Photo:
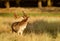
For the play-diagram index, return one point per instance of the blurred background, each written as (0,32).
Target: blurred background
(44,20)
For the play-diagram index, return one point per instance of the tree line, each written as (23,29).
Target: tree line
(7,4)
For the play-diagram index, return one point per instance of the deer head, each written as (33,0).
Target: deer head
(20,18)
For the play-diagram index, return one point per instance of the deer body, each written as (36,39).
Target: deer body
(19,26)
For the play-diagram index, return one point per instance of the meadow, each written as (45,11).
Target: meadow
(41,27)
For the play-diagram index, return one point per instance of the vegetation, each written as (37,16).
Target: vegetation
(31,14)
(7,4)
(39,28)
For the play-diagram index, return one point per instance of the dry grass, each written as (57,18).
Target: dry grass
(39,29)
(27,37)
(30,37)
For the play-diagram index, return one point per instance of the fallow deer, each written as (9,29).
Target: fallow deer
(19,26)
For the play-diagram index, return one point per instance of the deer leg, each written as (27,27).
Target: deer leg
(20,32)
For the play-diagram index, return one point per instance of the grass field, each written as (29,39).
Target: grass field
(41,27)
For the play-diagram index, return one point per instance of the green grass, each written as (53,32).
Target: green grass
(31,14)
(6,14)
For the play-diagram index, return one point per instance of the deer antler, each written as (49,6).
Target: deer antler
(15,15)
(24,14)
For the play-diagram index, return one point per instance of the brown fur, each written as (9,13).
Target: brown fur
(19,26)
(15,26)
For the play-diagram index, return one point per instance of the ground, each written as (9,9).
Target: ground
(41,27)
